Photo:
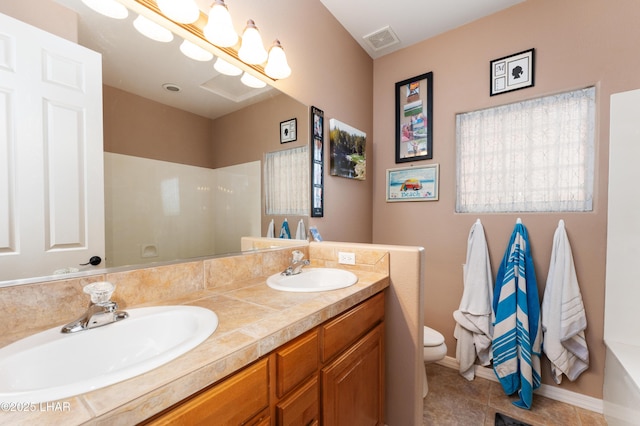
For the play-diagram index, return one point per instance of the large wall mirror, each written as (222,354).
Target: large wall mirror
(183,148)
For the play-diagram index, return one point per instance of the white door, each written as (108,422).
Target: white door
(51,159)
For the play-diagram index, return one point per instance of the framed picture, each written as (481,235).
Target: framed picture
(513,72)
(317,162)
(348,151)
(288,130)
(414,118)
(413,183)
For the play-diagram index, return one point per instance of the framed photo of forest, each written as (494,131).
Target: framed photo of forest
(348,151)
(414,118)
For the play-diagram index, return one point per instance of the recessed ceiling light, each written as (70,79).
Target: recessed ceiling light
(170,87)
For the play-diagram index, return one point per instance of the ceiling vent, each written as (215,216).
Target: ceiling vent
(232,88)
(382,38)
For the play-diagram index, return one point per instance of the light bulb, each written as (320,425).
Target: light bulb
(277,66)
(219,29)
(110,8)
(152,30)
(224,67)
(195,52)
(183,11)
(251,81)
(251,50)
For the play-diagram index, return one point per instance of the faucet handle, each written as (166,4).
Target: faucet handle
(100,291)
(297,255)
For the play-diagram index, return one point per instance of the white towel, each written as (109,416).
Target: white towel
(475,317)
(271,231)
(563,315)
(301,231)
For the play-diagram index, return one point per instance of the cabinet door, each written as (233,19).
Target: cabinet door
(353,384)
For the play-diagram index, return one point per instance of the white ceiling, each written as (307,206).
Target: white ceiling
(411,20)
(124,66)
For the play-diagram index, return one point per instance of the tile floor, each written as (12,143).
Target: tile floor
(454,401)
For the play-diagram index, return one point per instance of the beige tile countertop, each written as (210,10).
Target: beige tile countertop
(254,320)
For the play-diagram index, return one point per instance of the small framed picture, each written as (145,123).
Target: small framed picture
(414,118)
(512,72)
(288,130)
(413,183)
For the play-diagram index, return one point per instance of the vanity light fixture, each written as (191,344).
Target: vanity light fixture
(247,55)
(252,50)
(219,29)
(152,30)
(195,52)
(182,11)
(110,8)
(224,67)
(277,66)
(251,81)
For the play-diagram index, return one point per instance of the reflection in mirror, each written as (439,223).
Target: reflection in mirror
(183,147)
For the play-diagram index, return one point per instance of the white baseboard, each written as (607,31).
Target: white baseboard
(553,392)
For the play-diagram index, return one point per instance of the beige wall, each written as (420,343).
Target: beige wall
(578,43)
(45,14)
(333,73)
(140,127)
(248,134)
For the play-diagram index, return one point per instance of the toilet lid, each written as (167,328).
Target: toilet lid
(432,337)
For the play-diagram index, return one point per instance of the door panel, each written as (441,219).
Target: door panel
(51,159)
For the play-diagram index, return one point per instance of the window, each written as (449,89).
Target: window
(531,156)
(286,180)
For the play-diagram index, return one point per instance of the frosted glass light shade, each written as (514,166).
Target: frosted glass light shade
(224,67)
(219,29)
(183,11)
(195,52)
(277,66)
(251,81)
(152,30)
(110,8)
(251,50)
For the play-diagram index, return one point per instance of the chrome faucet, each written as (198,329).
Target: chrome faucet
(297,263)
(101,311)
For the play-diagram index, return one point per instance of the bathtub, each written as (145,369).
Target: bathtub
(622,384)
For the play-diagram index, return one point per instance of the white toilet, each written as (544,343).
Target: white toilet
(434,350)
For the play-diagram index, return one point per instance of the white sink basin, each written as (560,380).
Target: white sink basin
(313,279)
(50,365)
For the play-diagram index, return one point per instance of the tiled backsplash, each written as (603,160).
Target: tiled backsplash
(25,309)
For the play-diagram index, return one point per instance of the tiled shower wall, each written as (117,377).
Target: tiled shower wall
(158,211)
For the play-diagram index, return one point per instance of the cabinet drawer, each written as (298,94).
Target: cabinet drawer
(343,331)
(301,407)
(233,401)
(296,361)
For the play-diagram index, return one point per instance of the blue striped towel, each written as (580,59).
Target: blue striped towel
(517,335)
(284,230)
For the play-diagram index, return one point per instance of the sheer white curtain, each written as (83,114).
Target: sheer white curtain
(530,156)
(286,178)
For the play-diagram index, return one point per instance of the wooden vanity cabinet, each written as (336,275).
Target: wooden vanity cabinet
(331,375)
